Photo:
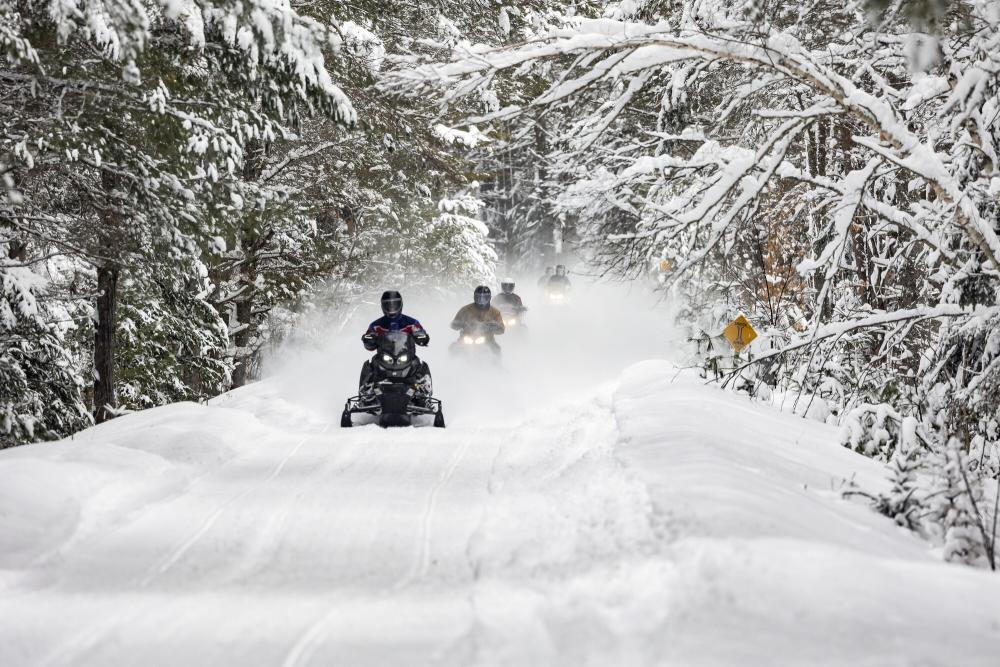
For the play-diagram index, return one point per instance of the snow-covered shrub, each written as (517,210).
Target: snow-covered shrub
(41,389)
(173,344)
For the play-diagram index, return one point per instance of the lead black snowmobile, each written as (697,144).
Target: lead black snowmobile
(394,396)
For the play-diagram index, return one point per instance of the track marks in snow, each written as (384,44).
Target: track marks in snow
(561,514)
(317,633)
(269,539)
(422,561)
(167,563)
(72,651)
(439,530)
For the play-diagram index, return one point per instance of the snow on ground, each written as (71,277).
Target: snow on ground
(581,508)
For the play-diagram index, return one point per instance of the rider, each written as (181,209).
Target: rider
(393,319)
(544,280)
(507,300)
(480,317)
(559,281)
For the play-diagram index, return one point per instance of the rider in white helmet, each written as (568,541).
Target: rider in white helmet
(509,304)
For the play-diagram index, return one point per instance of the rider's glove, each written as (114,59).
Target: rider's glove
(421,338)
(369,341)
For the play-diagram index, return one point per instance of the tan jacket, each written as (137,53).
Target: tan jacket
(470,316)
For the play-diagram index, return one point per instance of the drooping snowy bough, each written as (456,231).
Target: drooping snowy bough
(830,169)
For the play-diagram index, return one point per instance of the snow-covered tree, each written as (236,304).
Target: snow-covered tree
(830,168)
(125,126)
(41,392)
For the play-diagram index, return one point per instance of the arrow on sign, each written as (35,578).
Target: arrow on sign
(740,333)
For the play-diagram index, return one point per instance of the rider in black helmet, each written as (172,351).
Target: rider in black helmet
(480,317)
(393,319)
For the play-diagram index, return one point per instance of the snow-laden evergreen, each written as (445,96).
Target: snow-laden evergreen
(830,168)
(186,177)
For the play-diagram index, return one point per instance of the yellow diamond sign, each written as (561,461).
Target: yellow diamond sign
(739,333)
(664,265)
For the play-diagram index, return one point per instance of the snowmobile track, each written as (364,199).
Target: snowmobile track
(178,553)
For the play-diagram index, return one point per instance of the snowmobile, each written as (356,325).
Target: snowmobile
(396,398)
(477,341)
(513,318)
(557,295)
(558,288)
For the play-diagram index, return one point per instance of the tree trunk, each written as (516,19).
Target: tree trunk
(252,241)
(822,139)
(549,229)
(105,400)
(244,335)
(104,343)
(859,226)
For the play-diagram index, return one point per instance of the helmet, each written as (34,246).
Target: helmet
(507,286)
(392,303)
(548,270)
(481,297)
(560,270)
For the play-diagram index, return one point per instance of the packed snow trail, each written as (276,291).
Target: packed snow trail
(646,520)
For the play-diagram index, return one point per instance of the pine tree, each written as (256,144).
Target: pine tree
(130,131)
(905,503)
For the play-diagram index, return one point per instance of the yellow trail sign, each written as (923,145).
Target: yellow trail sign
(740,333)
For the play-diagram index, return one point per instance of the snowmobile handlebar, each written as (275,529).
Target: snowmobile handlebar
(475,328)
(370,339)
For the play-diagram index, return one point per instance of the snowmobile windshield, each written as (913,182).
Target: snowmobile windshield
(395,350)
(395,343)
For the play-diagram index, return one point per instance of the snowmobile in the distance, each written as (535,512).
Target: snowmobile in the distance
(511,307)
(557,295)
(557,289)
(394,397)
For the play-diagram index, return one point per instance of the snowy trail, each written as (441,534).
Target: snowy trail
(335,529)
(649,520)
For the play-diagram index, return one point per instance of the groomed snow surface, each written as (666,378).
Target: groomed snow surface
(573,513)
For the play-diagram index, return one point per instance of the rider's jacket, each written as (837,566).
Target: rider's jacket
(386,324)
(559,282)
(469,317)
(507,301)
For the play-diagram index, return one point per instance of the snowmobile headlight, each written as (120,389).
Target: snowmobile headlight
(468,340)
(403,359)
(386,358)
(480,340)
(512,321)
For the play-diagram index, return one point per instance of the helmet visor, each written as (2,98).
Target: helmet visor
(482,299)
(392,306)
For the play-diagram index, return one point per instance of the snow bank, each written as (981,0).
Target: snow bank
(764,562)
(53,495)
